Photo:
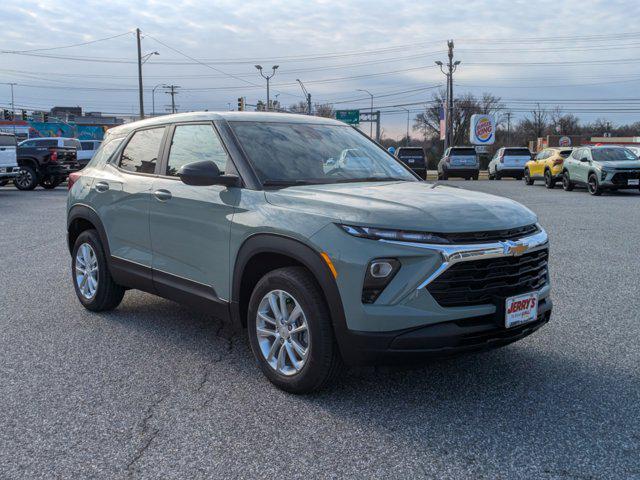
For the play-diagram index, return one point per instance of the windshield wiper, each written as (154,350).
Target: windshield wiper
(269,182)
(372,179)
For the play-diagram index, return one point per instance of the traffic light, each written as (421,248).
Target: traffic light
(24,115)
(241,104)
(45,117)
(6,115)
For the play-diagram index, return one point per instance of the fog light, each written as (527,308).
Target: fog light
(379,274)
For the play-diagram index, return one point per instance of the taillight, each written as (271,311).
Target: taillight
(502,157)
(53,155)
(73,177)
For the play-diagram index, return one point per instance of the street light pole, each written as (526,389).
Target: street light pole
(153,98)
(140,74)
(370,124)
(408,113)
(267,78)
(13,108)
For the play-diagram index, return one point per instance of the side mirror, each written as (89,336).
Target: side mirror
(206,173)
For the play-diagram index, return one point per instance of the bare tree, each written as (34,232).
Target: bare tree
(324,110)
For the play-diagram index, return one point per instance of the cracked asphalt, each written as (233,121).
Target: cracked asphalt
(155,390)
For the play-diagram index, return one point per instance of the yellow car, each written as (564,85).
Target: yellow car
(547,166)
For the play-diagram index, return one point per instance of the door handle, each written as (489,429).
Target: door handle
(162,195)
(102,186)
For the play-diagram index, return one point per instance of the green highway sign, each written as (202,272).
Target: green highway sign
(352,117)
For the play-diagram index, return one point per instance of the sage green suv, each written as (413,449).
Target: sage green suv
(301,229)
(601,168)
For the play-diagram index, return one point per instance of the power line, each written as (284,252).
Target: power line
(67,46)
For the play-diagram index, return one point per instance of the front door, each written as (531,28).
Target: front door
(190,225)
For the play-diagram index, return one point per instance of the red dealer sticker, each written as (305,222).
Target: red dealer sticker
(521,309)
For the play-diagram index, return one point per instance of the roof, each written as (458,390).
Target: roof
(224,115)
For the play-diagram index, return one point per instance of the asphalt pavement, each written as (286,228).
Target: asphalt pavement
(155,390)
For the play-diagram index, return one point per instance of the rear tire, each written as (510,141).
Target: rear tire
(3,182)
(294,373)
(549,181)
(593,186)
(103,294)
(27,178)
(567,185)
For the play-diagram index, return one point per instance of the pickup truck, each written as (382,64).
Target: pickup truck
(46,162)
(8,164)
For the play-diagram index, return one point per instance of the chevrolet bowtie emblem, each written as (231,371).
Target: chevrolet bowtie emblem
(514,249)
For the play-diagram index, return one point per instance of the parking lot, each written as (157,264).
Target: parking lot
(154,390)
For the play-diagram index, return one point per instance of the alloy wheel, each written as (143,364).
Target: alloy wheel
(86,271)
(283,332)
(24,178)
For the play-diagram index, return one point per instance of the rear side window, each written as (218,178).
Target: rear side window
(141,153)
(46,143)
(195,143)
(105,151)
(7,141)
(72,143)
(565,153)
(87,145)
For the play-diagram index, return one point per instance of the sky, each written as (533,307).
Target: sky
(581,55)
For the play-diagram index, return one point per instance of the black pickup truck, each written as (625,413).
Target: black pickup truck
(46,162)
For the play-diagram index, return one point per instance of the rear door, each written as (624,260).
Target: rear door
(190,225)
(121,194)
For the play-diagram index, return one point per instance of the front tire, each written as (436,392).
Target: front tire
(92,280)
(27,178)
(593,186)
(50,182)
(290,331)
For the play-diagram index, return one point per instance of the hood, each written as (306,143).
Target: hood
(405,205)
(626,164)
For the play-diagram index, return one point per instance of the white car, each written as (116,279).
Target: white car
(87,151)
(509,162)
(8,158)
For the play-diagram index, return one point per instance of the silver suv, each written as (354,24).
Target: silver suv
(301,229)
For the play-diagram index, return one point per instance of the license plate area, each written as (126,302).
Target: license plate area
(520,309)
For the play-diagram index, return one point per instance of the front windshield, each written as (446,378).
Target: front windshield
(612,154)
(299,153)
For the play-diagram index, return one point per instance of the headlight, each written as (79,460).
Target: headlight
(396,235)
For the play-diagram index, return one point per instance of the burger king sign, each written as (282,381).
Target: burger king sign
(483,129)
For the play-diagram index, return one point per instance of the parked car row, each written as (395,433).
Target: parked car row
(42,161)
(598,168)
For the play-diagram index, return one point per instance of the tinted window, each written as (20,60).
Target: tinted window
(7,141)
(195,143)
(517,151)
(463,151)
(315,153)
(565,153)
(87,145)
(612,154)
(46,143)
(72,143)
(141,153)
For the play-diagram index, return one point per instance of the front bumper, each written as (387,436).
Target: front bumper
(620,179)
(9,172)
(440,339)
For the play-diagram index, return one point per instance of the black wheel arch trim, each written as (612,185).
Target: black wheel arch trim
(81,211)
(283,245)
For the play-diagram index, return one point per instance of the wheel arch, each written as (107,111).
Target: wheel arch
(279,250)
(28,162)
(81,218)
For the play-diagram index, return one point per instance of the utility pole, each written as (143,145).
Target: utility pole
(267,78)
(371,95)
(13,108)
(140,74)
(306,94)
(173,92)
(509,128)
(450,69)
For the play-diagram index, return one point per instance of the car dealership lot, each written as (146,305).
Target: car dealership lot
(155,390)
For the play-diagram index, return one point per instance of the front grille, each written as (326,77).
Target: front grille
(492,235)
(481,281)
(621,178)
